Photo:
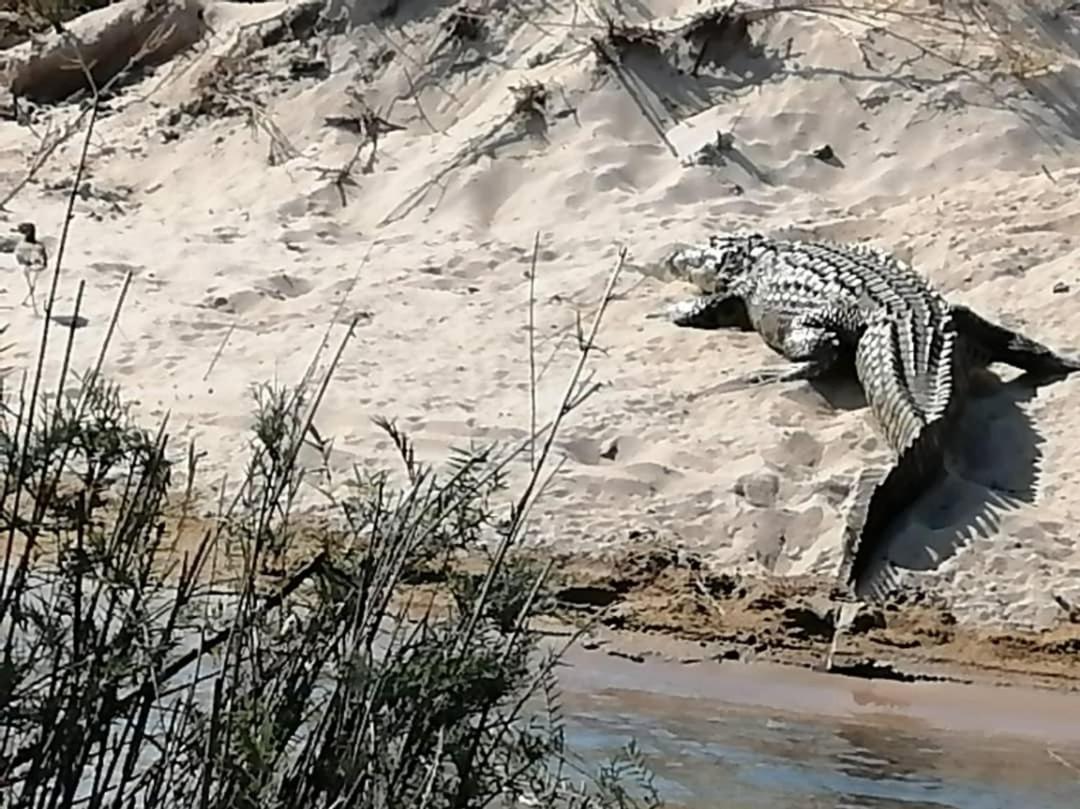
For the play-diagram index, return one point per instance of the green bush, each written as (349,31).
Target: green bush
(129,681)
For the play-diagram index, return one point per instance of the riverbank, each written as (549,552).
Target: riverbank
(451,185)
(658,609)
(664,604)
(640,602)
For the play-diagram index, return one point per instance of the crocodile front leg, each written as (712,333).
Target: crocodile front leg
(809,342)
(710,312)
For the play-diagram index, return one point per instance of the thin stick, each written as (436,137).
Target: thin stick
(525,501)
(571,388)
(1061,760)
(105,343)
(309,373)
(8,592)
(217,354)
(532,353)
(647,112)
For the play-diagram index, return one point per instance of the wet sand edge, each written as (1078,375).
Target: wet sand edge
(668,600)
(662,675)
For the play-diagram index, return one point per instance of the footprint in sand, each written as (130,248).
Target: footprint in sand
(225,234)
(116,269)
(590,452)
(283,286)
(279,287)
(238,303)
(629,474)
(447,429)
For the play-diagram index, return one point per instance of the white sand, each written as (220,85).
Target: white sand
(973,174)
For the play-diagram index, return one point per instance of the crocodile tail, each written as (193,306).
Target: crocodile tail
(907,371)
(1000,344)
(882,495)
(913,402)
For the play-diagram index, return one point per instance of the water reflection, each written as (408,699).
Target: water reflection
(896,757)
(715,756)
(866,802)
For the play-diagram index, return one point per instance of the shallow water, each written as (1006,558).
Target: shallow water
(734,736)
(737,759)
(707,752)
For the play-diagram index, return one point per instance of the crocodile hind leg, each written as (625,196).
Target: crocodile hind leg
(812,348)
(1000,344)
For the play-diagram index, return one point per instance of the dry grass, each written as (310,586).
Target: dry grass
(277,681)
(40,15)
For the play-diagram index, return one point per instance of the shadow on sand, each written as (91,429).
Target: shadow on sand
(992,466)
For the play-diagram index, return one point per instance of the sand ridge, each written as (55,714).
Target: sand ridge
(213,180)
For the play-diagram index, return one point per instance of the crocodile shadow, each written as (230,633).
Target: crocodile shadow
(992,465)
(983,477)
(839,387)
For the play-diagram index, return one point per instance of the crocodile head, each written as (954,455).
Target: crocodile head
(716,268)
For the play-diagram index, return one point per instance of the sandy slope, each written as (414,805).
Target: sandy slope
(942,154)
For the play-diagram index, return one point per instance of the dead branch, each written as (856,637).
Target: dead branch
(47,147)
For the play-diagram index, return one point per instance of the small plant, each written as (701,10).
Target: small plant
(466,25)
(530,97)
(518,583)
(719,35)
(716,152)
(531,106)
(1024,61)
(41,14)
(261,523)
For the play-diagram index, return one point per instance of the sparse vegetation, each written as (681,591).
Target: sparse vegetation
(156,655)
(531,106)
(155,658)
(719,35)
(38,15)
(715,152)
(622,37)
(466,25)
(133,674)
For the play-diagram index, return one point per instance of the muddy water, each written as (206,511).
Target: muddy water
(759,737)
(735,736)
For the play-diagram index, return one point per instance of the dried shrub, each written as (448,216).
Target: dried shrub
(531,106)
(718,36)
(135,675)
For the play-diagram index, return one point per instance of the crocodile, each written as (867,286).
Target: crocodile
(824,304)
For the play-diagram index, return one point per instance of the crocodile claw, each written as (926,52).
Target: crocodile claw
(764,376)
